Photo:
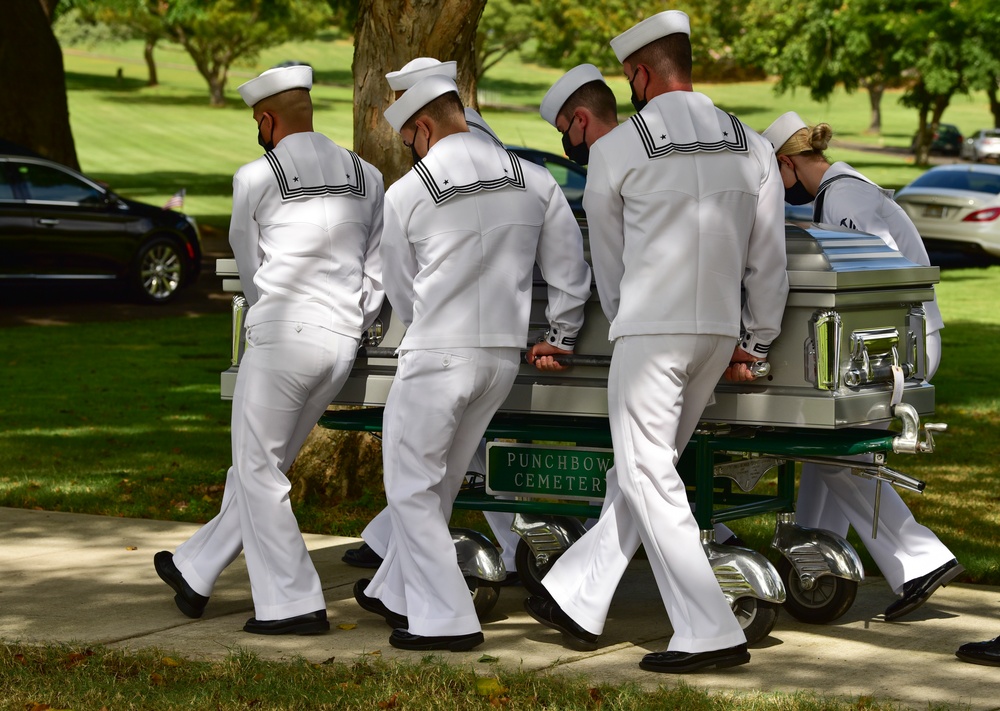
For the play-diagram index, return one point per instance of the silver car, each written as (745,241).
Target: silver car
(982,145)
(956,207)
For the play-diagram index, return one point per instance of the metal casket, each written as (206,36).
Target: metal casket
(854,311)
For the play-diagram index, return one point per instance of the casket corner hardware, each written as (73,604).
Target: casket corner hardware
(914,439)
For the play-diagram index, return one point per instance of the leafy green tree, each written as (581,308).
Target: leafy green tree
(818,45)
(572,32)
(83,22)
(220,33)
(982,50)
(931,45)
(504,28)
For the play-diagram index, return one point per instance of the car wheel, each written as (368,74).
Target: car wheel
(158,271)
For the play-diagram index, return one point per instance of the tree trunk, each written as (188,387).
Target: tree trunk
(994,104)
(33,108)
(389,34)
(216,89)
(875,92)
(922,147)
(147,54)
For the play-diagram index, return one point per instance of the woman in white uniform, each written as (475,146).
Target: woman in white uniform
(913,560)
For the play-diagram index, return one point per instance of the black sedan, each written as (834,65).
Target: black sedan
(56,223)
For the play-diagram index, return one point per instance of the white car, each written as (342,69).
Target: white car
(982,145)
(956,207)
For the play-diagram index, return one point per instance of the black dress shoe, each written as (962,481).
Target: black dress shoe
(362,557)
(551,615)
(373,604)
(684,662)
(187,600)
(401,639)
(309,623)
(987,653)
(916,591)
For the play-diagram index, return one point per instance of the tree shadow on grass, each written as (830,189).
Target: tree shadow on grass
(137,185)
(77,81)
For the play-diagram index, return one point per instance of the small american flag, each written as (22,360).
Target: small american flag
(176,200)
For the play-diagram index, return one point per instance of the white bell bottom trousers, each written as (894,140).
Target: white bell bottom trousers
(658,387)
(379,529)
(289,374)
(833,499)
(438,408)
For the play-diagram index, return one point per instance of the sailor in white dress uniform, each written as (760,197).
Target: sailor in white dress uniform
(305,231)
(462,232)
(376,533)
(684,204)
(912,558)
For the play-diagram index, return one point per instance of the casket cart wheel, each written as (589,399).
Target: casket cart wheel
(529,571)
(485,594)
(829,599)
(756,617)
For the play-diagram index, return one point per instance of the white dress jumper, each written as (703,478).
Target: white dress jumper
(463,231)
(684,204)
(306,228)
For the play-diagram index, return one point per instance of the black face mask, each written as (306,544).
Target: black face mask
(638,103)
(580,153)
(797,194)
(266,145)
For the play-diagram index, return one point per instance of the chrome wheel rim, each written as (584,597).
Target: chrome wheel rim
(160,271)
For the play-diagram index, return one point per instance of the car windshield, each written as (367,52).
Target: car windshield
(959,180)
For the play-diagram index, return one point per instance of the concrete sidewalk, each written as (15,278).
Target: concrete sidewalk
(90,579)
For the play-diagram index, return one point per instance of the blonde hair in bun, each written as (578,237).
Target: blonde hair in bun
(808,141)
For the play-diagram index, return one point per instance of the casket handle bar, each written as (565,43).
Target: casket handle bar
(874,352)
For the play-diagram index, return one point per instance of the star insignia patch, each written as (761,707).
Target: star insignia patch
(295,179)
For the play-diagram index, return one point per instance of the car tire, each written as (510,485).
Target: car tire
(158,271)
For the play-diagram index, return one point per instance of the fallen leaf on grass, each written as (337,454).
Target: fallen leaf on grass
(489,686)
(486,659)
(157,679)
(170,662)
(389,703)
(346,626)
(131,548)
(376,653)
(76,657)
